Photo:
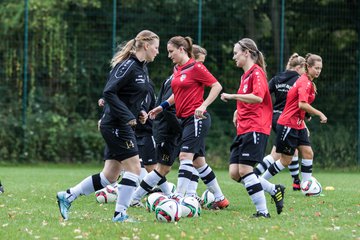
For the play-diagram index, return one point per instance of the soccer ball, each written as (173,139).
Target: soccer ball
(207,198)
(153,200)
(312,187)
(106,195)
(190,207)
(168,210)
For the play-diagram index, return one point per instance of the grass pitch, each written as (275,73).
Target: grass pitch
(28,210)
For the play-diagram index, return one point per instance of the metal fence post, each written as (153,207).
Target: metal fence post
(282,32)
(25,80)
(199,21)
(114,28)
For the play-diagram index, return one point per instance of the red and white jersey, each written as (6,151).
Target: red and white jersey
(254,117)
(302,91)
(188,86)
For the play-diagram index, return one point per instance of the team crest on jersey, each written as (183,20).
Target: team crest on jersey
(245,88)
(183,76)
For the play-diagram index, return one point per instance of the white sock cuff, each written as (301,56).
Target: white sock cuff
(279,165)
(132,177)
(200,169)
(307,162)
(104,180)
(186,161)
(295,158)
(269,158)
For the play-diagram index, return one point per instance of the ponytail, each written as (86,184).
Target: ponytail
(185,42)
(129,48)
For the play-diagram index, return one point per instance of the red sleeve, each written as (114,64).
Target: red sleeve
(304,91)
(203,75)
(259,83)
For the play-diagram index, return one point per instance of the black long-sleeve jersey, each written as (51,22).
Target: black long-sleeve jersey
(148,104)
(124,92)
(280,86)
(166,125)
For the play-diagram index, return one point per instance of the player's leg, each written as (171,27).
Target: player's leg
(208,176)
(286,143)
(108,175)
(166,153)
(127,187)
(241,169)
(307,162)
(294,171)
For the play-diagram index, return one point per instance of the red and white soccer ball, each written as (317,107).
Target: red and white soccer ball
(168,210)
(207,198)
(106,195)
(190,207)
(153,200)
(312,187)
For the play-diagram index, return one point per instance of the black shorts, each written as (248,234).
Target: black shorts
(167,152)
(275,118)
(194,133)
(288,139)
(248,148)
(146,145)
(120,142)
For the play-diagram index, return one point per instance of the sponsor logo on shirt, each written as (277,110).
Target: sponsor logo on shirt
(245,154)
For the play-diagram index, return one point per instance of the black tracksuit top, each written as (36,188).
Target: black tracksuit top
(280,86)
(125,91)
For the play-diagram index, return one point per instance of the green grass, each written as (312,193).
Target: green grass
(28,210)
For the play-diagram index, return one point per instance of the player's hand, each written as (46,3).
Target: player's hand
(199,112)
(225,97)
(99,123)
(154,112)
(101,102)
(235,118)
(143,116)
(323,118)
(132,122)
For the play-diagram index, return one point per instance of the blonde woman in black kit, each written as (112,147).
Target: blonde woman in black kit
(125,90)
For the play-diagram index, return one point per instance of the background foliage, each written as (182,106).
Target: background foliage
(70,45)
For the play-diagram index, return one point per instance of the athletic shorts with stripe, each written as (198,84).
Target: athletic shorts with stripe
(288,139)
(248,148)
(120,142)
(146,145)
(194,133)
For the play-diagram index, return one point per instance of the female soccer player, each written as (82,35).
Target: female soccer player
(189,79)
(291,130)
(125,90)
(144,134)
(253,122)
(280,85)
(167,132)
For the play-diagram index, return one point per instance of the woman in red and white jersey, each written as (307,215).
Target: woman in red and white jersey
(291,130)
(253,124)
(189,81)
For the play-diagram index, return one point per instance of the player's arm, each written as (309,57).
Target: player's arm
(247,98)
(311,110)
(214,92)
(170,101)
